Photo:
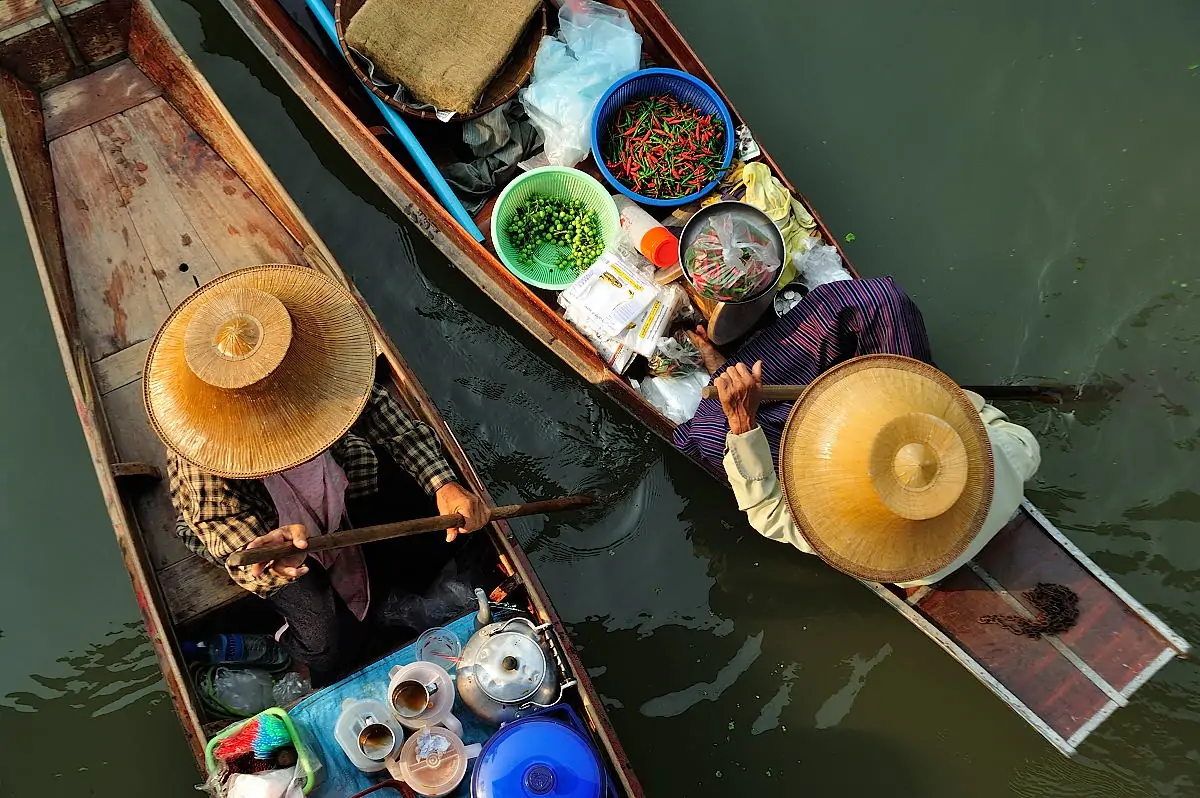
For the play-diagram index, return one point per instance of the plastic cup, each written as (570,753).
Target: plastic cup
(439,646)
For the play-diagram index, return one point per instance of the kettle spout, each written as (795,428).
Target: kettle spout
(484,616)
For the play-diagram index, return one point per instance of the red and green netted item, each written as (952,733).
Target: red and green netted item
(664,148)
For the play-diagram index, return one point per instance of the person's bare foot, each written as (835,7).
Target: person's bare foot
(709,354)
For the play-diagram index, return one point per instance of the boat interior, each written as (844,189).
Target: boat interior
(140,189)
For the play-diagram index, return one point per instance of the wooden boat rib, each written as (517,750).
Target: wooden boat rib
(136,187)
(1063,686)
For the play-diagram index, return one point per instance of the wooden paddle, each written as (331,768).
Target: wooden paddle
(1046,394)
(401,529)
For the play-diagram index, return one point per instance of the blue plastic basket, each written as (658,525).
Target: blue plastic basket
(649,83)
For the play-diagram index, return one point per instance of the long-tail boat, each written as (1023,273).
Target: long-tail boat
(1065,686)
(136,187)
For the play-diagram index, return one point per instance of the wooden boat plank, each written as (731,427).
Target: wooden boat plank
(194,587)
(13,12)
(181,260)
(233,224)
(97,30)
(1110,638)
(118,297)
(121,368)
(1035,672)
(136,441)
(102,94)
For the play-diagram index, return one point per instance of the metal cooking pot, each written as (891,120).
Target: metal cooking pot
(509,669)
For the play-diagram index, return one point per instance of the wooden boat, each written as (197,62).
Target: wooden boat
(1063,686)
(136,187)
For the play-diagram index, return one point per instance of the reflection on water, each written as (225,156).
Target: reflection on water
(838,706)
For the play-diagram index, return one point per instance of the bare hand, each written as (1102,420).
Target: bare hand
(288,567)
(740,390)
(454,498)
(709,354)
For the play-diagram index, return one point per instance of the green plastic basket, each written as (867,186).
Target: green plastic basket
(561,181)
(308,764)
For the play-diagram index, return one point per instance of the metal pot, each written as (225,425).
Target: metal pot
(509,669)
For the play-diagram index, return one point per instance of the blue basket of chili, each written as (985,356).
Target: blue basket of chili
(691,98)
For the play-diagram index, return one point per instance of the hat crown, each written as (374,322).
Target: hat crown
(238,337)
(915,466)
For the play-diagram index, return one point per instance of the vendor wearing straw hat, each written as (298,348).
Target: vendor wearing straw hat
(261,385)
(887,470)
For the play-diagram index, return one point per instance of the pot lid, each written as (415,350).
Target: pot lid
(510,667)
(537,757)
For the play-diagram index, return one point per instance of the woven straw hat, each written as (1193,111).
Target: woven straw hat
(886,468)
(260,370)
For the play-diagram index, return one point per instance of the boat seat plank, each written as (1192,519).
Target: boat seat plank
(117,296)
(136,442)
(181,261)
(13,12)
(233,224)
(195,587)
(1033,670)
(1110,638)
(121,368)
(107,92)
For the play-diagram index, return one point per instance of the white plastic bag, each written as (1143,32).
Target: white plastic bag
(271,784)
(675,397)
(819,264)
(243,689)
(596,46)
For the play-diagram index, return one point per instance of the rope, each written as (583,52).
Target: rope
(1057,611)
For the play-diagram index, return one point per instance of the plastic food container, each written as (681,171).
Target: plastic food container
(540,755)
(433,761)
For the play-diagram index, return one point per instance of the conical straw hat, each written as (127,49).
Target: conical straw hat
(886,468)
(259,371)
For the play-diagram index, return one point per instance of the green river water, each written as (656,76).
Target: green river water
(1028,170)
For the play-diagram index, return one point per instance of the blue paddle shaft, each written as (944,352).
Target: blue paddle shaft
(402,131)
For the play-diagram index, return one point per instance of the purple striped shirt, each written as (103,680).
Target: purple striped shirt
(833,323)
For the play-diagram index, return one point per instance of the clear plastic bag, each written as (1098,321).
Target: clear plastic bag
(245,690)
(675,397)
(292,687)
(730,259)
(596,46)
(675,356)
(818,264)
(271,784)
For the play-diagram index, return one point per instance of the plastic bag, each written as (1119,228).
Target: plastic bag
(730,259)
(596,46)
(292,687)
(818,264)
(271,784)
(444,601)
(675,397)
(675,356)
(245,690)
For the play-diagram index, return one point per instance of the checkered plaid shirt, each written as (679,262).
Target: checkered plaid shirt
(219,516)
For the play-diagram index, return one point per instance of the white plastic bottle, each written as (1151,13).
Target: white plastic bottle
(647,234)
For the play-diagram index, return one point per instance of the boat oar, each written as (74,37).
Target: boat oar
(1046,394)
(401,529)
(405,135)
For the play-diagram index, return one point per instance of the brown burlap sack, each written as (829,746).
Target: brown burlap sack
(445,52)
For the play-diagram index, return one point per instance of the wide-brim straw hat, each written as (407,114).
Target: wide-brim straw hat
(260,370)
(886,467)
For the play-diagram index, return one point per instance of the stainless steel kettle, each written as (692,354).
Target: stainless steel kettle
(509,669)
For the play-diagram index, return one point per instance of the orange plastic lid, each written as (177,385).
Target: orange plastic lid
(660,247)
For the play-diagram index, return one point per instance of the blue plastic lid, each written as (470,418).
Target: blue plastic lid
(537,757)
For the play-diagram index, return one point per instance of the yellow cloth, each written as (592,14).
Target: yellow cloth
(752,475)
(795,223)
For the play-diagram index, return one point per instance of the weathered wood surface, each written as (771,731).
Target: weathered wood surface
(99,30)
(136,442)
(25,133)
(121,368)
(13,12)
(181,259)
(102,94)
(136,471)
(194,587)
(233,224)
(116,292)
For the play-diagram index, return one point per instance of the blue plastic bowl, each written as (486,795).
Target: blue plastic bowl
(654,82)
